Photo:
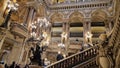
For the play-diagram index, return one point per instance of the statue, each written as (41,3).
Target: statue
(116,55)
(117,60)
(104,60)
(36,58)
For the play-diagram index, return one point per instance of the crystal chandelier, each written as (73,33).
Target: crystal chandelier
(39,27)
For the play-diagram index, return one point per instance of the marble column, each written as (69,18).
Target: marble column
(23,56)
(26,16)
(87,29)
(62,49)
(30,17)
(63,31)
(65,40)
(67,43)
(15,53)
(3,6)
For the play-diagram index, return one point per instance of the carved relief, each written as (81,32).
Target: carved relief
(104,60)
(56,17)
(98,16)
(76,17)
(41,11)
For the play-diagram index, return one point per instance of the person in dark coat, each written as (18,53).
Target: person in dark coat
(6,66)
(17,66)
(12,65)
(26,66)
(59,56)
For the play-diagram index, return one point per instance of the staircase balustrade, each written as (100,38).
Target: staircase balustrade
(75,59)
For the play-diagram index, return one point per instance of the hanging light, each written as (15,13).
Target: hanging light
(43,22)
(61,45)
(33,34)
(12,5)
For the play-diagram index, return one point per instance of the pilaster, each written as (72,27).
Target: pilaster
(87,32)
(30,16)
(15,53)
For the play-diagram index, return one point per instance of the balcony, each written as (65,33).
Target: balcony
(19,30)
(71,4)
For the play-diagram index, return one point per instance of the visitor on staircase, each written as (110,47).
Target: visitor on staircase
(46,62)
(59,56)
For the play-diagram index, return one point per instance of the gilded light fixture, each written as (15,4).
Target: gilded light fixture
(88,37)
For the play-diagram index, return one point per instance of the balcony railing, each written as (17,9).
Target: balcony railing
(19,29)
(80,6)
(76,1)
(76,59)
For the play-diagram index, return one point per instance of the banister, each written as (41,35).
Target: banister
(75,59)
(89,62)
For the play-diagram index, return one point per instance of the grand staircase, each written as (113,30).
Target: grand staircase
(84,59)
(87,58)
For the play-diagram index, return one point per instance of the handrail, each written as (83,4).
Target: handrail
(75,59)
(89,63)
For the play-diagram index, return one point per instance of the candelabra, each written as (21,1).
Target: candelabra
(63,38)
(88,37)
(39,31)
(12,6)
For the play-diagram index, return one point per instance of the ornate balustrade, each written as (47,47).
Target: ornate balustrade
(91,63)
(76,1)
(19,29)
(76,59)
(81,4)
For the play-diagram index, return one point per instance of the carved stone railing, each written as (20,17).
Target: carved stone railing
(80,4)
(77,1)
(91,63)
(19,29)
(76,59)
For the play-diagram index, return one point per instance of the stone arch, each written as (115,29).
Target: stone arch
(76,16)
(99,16)
(56,17)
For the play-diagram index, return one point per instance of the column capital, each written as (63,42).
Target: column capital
(87,19)
(65,20)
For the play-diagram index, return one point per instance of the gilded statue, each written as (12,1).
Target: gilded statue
(104,60)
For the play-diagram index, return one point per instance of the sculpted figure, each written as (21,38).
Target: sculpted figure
(117,56)
(36,54)
(118,60)
(103,59)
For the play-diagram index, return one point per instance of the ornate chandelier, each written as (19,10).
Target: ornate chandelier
(38,28)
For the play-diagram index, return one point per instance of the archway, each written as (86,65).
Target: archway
(99,24)
(76,20)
